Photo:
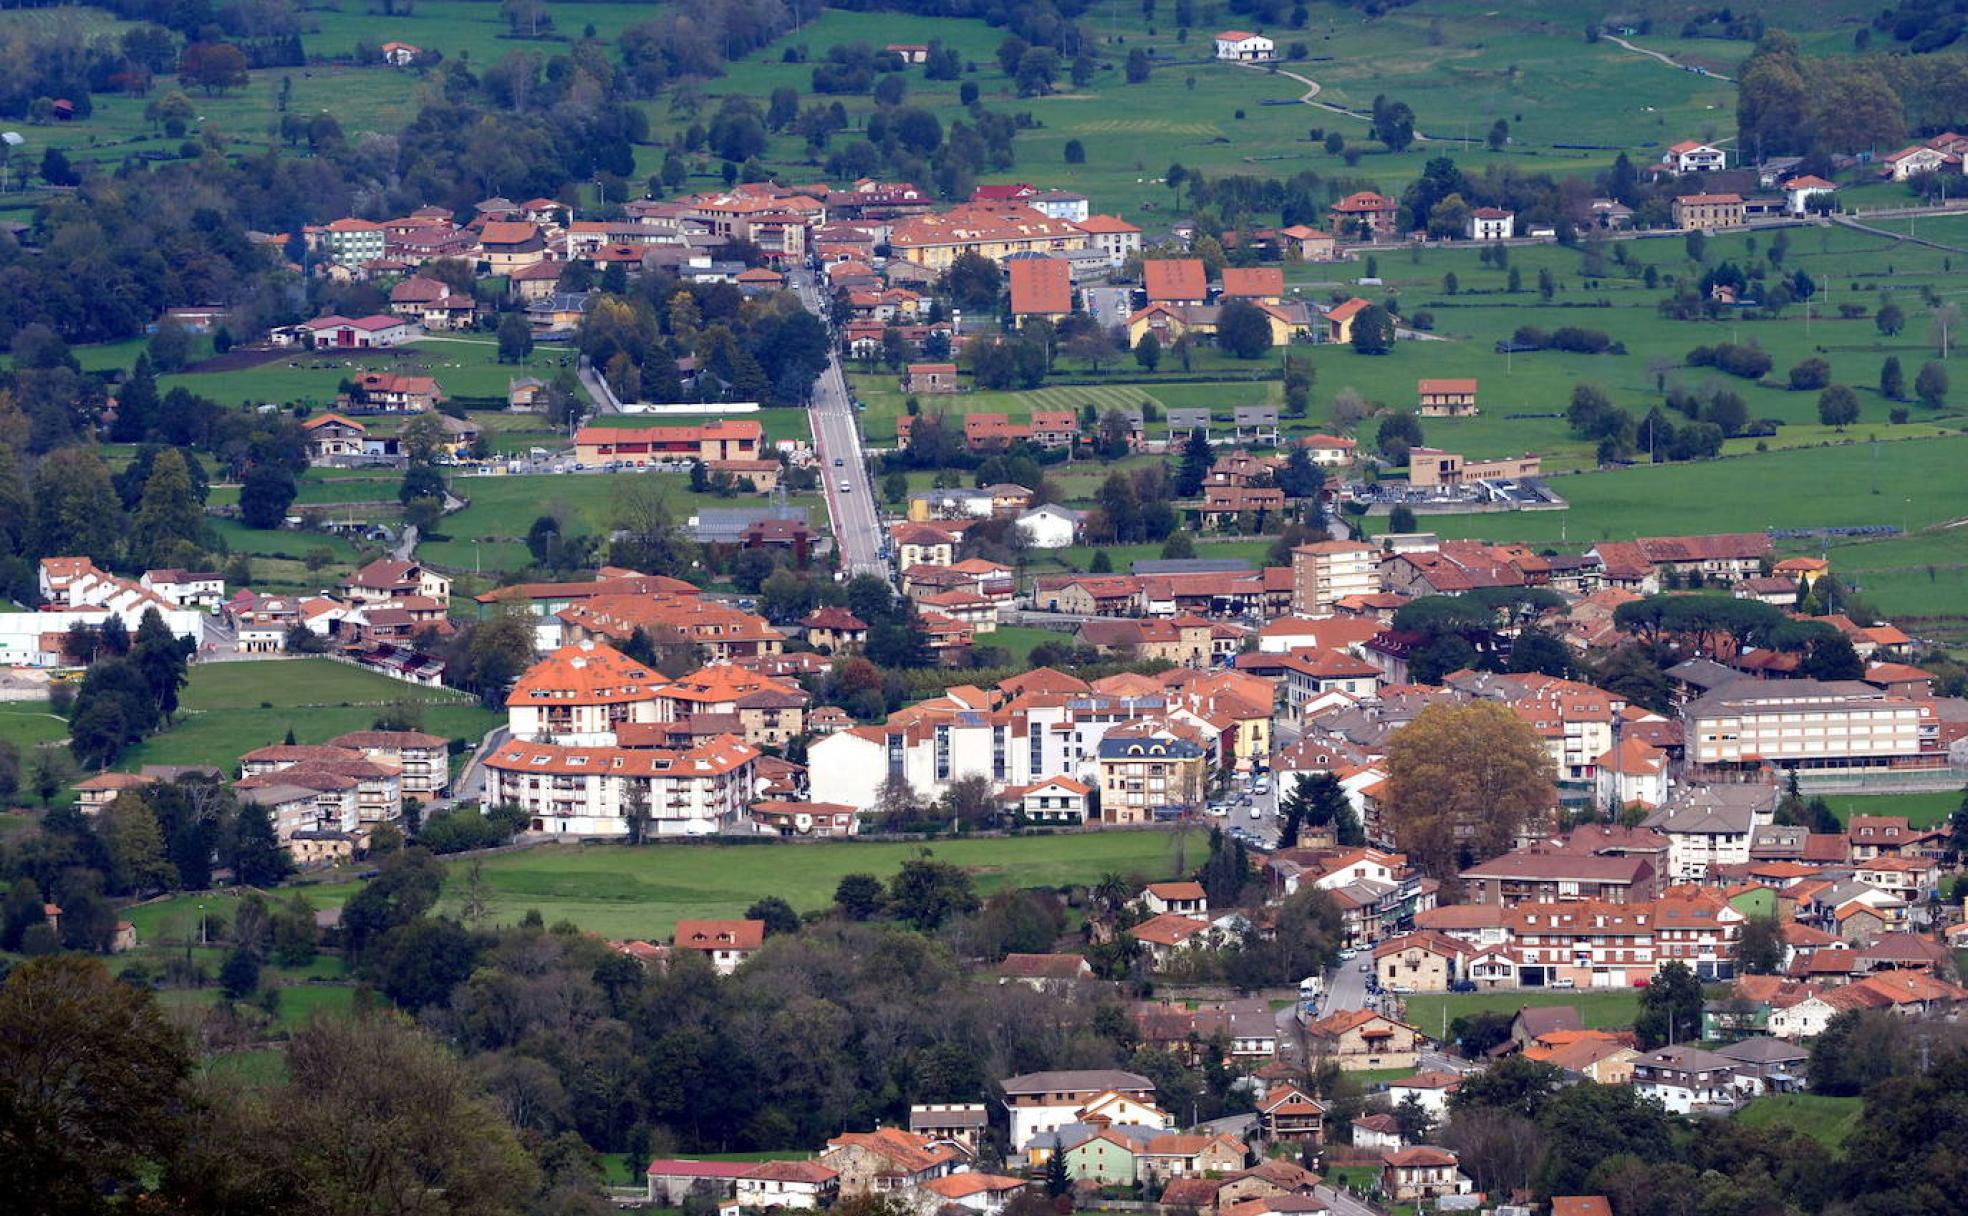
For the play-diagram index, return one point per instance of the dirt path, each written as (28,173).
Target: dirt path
(1641,50)
(1311,95)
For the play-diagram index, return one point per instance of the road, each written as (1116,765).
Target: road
(843,465)
(1641,50)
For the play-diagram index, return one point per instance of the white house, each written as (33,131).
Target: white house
(1431,1089)
(1806,1019)
(1492,224)
(1633,772)
(1046,1101)
(1689,156)
(1243,46)
(787,1184)
(1799,191)
(1049,527)
(1686,1079)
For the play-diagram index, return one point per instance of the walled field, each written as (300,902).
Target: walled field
(1604,1010)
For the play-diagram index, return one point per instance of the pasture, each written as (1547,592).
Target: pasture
(1829,1121)
(1433,1012)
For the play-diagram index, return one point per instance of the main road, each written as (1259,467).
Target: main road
(843,465)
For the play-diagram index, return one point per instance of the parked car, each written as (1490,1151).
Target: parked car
(1366,967)
(1463,986)
(1563,984)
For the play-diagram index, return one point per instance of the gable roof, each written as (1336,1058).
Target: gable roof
(1041,287)
(1175,279)
(1253,282)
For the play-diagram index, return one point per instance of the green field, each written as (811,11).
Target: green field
(229,709)
(1597,1010)
(27,724)
(1827,1120)
(1921,810)
(641,892)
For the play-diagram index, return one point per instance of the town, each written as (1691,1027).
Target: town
(995,611)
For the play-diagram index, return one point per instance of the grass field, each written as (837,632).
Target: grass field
(1921,810)
(228,709)
(1601,1010)
(1827,1120)
(641,892)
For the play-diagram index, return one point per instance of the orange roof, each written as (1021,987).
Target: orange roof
(1097,225)
(508,232)
(719,934)
(585,673)
(1041,287)
(1446,386)
(723,754)
(1350,309)
(1175,279)
(1168,929)
(1177,890)
(1253,282)
(961,1186)
(913,1153)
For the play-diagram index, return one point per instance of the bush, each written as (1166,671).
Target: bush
(1810,375)
(1745,361)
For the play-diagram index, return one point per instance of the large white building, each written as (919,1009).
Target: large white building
(1244,46)
(594,792)
(579,694)
(1811,724)
(1045,1101)
(1328,571)
(74,592)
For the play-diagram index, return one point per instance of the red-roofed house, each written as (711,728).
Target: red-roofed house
(1175,280)
(1041,287)
(1364,214)
(727,943)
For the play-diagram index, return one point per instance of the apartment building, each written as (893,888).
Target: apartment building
(1143,777)
(580,694)
(1810,724)
(613,793)
(1328,571)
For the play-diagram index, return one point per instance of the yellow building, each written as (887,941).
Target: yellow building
(996,232)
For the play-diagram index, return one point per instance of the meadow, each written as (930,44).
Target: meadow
(641,892)
(1829,1121)
(1431,1012)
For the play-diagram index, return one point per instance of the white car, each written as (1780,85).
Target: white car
(1366,966)
(1563,984)
(1257,813)
(846,485)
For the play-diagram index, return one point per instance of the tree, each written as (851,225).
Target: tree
(515,338)
(1317,800)
(1075,152)
(1393,124)
(777,914)
(859,896)
(75,507)
(1462,780)
(1811,373)
(239,976)
(1761,948)
(1401,519)
(1416,1121)
(1373,331)
(1670,1008)
(1889,319)
(1838,406)
(135,845)
(928,893)
(1057,1181)
(1931,385)
(1197,458)
(169,521)
(22,909)
(95,1059)
(1892,381)
(213,66)
(1148,352)
(1244,329)
(265,495)
(258,860)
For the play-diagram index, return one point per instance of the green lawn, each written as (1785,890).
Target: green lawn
(1827,1120)
(1921,810)
(623,892)
(27,724)
(256,1068)
(1019,640)
(1600,1010)
(297,683)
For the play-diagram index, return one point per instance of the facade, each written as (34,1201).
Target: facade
(1687,1080)
(1241,46)
(1492,224)
(1809,724)
(614,793)
(728,944)
(1690,156)
(1326,572)
(1703,211)
(1360,1039)
(1446,398)
(637,447)
(1045,1101)
(1142,779)
(581,695)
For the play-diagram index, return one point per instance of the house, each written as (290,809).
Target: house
(1056,800)
(909,52)
(1257,284)
(931,378)
(1143,779)
(356,333)
(1041,288)
(1175,280)
(1362,1039)
(1042,972)
(1446,398)
(971,1191)
(1492,224)
(1112,236)
(1365,214)
(1241,46)
(805,1185)
(1178,1155)
(1703,211)
(1169,935)
(1421,961)
(836,629)
(1044,1101)
(960,1123)
(887,1160)
(1687,1080)
(1102,1156)
(1430,1089)
(508,245)
(390,393)
(1288,1113)
(1800,191)
(1325,572)
(672,1181)
(400,54)
(1049,526)
(331,438)
(727,943)
(186,588)
(1340,318)
(387,580)
(1919,159)
(1305,244)
(1376,1133)
(1187,898)
(1690,156)
(1766,1065)
(1411,1175)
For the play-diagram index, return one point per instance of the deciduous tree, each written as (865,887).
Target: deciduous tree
(1462,779)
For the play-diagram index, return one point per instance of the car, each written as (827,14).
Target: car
(1261,786)
(1563,984)
(1257,812)
(1401,989)
(1218,810)
(846,485)
(1348,955)
(839,462)
(1366,968)
(1463,986)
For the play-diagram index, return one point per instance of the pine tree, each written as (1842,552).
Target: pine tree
(136,404)
(1197,457)
(257,858)
(1058,1181)
(168,518)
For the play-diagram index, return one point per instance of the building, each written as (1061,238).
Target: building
(637,447)
(1687,1080)
(1306,244)
(1542,876)
(961,1123)
(1800,191)
(673,1181)
(1040,288)
(1691,156)
(1421,961)
(356,333)
(1365,214)
(1045,1101)
(1241,46)
(615,793)
(1175,280)
(1143,779)
(422,760)
(1492,224)
(1325,572)
(351,242)
(1423,1172)
(1703,211)
(728,944)
(992,230)
(1112,236)
(1433,468)
(792,1185)
(1809,724)
(931,378)
(1446,398)
(1362,1039)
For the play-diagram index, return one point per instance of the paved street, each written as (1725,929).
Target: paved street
(843,467)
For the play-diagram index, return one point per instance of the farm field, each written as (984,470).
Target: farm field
(463,366)
(623,892)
